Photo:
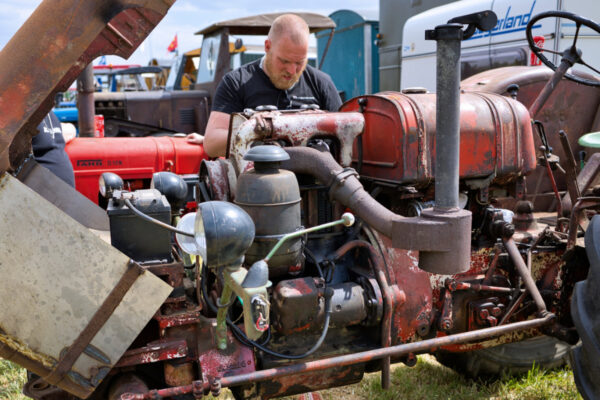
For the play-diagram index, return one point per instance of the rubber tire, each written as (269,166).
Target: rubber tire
(508,359)
(585,310)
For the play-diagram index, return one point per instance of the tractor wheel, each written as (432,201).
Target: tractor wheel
(508,359)
(585,310)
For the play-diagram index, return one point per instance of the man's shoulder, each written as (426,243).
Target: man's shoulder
(316,74)
(245,71)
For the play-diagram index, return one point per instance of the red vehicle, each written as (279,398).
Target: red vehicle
(331,244)
(133,159)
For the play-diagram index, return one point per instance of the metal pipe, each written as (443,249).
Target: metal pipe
(517,260)
(349,359)
(443,238)
(85,101)
(447,138)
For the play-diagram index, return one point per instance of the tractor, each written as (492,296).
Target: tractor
(323,246)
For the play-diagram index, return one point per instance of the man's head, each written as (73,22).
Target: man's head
(286,50)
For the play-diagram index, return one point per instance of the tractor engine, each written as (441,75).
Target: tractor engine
(285,275)
(330,244)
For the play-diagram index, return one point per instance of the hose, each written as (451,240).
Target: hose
(155,221)
(241,336)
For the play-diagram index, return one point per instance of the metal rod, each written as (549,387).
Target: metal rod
(493,264)
(512,308)
(517,260)
(570,167)
(549,88)
(347,219)
(85,101)
(322,60)
(221,331)
(447,137)
(349,359)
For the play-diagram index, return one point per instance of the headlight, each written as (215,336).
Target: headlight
(192,245)
(108,183)
(222,233)
(172,186)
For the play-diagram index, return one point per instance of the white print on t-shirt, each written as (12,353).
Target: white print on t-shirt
(52,130)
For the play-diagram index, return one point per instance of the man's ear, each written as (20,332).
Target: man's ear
(267,45)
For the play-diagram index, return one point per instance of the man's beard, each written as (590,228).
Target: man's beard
(278,78)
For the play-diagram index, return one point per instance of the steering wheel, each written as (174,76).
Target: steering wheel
(571,55)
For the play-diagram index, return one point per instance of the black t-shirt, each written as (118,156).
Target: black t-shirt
(49,149)
(250,87)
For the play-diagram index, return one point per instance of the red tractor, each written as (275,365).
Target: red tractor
(328,244)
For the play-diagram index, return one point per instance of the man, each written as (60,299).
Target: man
(49,149)
(281,78)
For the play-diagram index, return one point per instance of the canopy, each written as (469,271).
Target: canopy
(260,24)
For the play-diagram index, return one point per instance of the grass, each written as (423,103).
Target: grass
(12,378)
(428,380)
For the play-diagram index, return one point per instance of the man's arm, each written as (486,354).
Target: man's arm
(215,137)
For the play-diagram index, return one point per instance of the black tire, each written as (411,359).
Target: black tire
(585,310)
(508,359)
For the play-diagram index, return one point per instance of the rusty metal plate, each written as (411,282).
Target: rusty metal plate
(55,276)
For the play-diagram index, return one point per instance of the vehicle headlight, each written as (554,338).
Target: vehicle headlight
(108,183)
(222,233)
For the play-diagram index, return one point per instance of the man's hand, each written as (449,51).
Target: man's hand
(68,131)
(194,138)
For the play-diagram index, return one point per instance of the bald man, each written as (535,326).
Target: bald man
(281,78)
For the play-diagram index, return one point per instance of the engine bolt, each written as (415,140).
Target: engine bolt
(446,324)
(197,390)
(215,388)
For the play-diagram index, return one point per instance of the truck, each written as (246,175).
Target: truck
(325,244)
(504,46)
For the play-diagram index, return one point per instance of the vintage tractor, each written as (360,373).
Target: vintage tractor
(327,245)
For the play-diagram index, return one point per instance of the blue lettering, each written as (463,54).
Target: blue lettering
(528,15)
(505,17)
(510,22)
(518,19)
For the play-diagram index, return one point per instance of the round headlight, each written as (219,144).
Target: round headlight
(188,243)
(108,183)
(223,232)
(172,186)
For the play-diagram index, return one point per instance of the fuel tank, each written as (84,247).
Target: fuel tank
(135,158)
(398,142)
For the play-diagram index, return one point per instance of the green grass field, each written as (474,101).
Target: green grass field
(428,380)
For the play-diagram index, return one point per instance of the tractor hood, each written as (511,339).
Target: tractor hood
(49,52)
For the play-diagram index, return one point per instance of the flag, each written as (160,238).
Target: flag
(173,46)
